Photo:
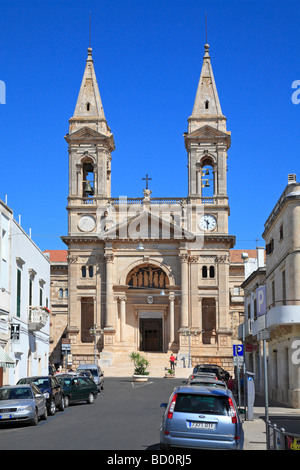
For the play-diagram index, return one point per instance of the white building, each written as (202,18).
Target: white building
(272,302)
(24,302)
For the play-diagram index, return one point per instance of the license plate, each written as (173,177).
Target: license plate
(6,416)
(201,425)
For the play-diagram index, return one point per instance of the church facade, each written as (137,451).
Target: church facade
(145,273)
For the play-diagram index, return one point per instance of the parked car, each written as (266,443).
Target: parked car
(84,373)
(97,373)
(203,375)
(78,389)
(206,382)
(51,389)
(22,403)
(212,368)
(201,417)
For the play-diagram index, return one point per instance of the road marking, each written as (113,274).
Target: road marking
(140,385)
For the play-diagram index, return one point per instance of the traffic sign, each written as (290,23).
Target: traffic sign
(238,350)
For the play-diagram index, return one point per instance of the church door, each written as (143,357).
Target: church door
(151,334)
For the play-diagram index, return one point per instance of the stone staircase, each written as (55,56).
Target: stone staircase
(158,364)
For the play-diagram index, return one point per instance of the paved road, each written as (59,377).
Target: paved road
(125,416)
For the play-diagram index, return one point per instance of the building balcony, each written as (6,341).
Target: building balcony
(281,315)
(37,318)
(236,296)
(247,326)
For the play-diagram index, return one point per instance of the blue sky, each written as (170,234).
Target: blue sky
(148,57)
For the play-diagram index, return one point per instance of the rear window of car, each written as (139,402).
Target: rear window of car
(205,404)
(206,384)
(207,369)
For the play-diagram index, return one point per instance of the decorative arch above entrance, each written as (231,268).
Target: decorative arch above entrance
(147,275)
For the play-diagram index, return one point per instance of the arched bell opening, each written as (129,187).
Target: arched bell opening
(88,178)
(206,178)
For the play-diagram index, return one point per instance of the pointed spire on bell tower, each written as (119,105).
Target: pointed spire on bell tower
(207,108)
(91,142)
(207,140)
(89,109)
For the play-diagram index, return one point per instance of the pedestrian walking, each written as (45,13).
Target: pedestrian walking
(172,361)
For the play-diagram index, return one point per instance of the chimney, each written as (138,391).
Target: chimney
(260,257)
(292,178)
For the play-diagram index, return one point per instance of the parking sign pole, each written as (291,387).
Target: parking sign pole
(266,391)
(239,379)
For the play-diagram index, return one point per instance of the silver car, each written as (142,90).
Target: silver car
(203,418)
(207,382)
(22,403)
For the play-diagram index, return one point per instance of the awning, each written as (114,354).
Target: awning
(5,360)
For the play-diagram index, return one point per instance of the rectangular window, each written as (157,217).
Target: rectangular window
(30,293)
(18,292)
(283,288)
(41,297)
(273,293)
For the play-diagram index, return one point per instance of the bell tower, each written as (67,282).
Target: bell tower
(90,144)
(207,141)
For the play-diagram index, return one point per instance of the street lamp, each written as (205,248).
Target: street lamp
(189,332)
(93,332)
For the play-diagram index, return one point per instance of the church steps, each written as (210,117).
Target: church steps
(158,365)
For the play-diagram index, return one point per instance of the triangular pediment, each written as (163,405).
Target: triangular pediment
(145,226)
(207,132)
(85,133)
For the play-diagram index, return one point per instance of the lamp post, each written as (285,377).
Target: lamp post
(93,332)
(189,332)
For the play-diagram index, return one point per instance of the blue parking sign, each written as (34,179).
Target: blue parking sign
(238,350)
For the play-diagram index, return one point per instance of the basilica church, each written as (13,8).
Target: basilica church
(146,273)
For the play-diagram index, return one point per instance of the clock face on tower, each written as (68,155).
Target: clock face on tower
(87,223)
(207,222)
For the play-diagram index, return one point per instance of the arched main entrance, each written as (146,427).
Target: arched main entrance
(145,283)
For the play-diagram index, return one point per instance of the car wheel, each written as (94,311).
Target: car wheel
(91,399)
(45,415)
(67,401)
(52,409)
(62,404)
(35,420)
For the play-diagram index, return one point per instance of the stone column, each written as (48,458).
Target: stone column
(184,320)
(122,299)
(109,322)
(172,318)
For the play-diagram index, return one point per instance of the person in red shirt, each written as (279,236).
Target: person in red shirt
(172,361)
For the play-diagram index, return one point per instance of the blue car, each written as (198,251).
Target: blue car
(201,417)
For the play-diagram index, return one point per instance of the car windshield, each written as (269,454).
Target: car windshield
(65,381)
(17,393)
(94,372)
(194,403)
(42,382)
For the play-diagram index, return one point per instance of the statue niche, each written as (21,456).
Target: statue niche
(147,276)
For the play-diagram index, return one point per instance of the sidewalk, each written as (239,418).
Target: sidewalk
(255,431)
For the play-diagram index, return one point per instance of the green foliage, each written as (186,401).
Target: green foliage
(140,364)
